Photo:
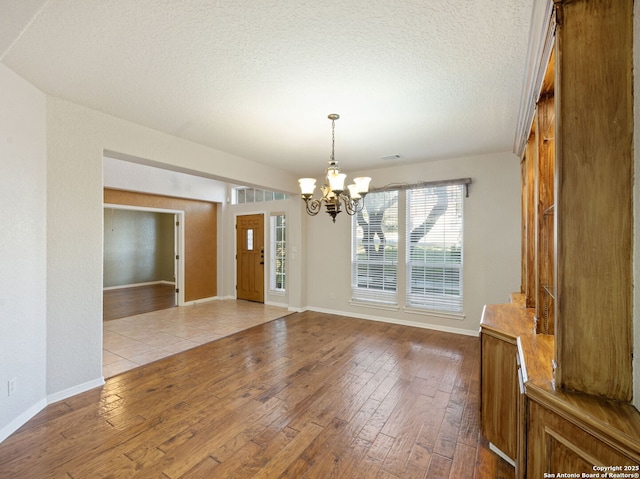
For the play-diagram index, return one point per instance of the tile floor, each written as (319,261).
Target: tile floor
(136,340)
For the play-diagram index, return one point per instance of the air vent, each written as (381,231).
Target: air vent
(397,156)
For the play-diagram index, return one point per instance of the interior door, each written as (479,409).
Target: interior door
(250,257)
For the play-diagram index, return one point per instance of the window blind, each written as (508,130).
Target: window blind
(434,247)
(375,249)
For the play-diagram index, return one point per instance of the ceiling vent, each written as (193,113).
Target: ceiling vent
(397,156)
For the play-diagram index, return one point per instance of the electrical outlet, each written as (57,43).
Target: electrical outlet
(11,386)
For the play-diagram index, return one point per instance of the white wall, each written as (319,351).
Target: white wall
(491,242)
(126,175)
(139,247)
(77,139)
(23,253)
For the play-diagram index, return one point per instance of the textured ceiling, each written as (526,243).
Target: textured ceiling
(426,79)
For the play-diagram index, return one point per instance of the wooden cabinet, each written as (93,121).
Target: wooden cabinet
(571,340)
(502,383)
(540,428)
(577,194)
(594,197)
(499,391)
(560,441)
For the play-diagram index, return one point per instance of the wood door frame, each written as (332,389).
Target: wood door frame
(265,234)
(179,234)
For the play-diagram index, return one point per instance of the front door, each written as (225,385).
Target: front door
(250,257)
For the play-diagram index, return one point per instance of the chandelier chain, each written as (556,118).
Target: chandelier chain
(333,140)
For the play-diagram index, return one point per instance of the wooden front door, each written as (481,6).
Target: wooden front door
(250,257)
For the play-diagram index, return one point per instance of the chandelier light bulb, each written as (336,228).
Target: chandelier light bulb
(307,186)
(362,184)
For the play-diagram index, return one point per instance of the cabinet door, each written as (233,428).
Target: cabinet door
(499,393)
(555,444)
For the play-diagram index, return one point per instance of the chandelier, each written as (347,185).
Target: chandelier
(334,194)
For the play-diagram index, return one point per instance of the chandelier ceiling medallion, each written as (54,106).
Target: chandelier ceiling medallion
(334,194)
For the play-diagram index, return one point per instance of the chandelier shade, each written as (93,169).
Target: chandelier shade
(334,194)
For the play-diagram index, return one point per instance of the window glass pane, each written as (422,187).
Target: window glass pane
(375,249)
(242,195)
(277,255)
(249,243)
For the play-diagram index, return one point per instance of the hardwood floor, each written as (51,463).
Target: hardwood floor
(123,302)
(136,340)
(309,395)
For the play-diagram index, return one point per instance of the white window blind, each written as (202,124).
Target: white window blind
(375,249)
(278,244)
(434,248)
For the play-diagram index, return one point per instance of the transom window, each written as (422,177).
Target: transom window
(243,194)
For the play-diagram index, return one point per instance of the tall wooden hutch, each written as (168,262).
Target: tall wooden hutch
(557,377)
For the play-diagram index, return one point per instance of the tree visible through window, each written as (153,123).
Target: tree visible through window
(430,238)
(434,248)
(375,249)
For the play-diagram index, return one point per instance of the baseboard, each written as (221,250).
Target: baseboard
(502,454)
(80,388)
(205,300)
(402,322)
(22,419)
(134,285)
(277,305)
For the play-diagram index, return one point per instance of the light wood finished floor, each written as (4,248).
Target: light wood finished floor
(136,340)
(123,302)
(309,395)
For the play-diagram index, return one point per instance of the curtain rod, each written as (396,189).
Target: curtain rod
(424,184)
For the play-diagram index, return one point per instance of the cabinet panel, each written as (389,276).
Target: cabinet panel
(529,168)
(554,444)
(545,196)
(499,393)
(593,210)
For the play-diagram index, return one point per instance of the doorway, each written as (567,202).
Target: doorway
(250,257)
(142,269)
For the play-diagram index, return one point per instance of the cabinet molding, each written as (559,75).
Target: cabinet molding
(538,53)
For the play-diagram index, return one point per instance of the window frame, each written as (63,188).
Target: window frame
(277,253)
(387,294)
(403,294)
